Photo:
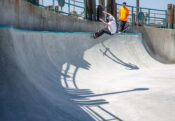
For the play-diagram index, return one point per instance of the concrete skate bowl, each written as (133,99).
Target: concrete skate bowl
(54,76)
(159,43)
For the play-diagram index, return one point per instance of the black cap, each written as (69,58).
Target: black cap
(124,3)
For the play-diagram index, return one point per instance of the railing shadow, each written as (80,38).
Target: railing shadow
(82,97)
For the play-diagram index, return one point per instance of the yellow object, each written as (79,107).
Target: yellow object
(123,14)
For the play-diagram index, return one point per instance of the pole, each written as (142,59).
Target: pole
(114,8)
(85,9)
(138,5)
(111,7)
(170,16)
(54,4)
(94,9)
(74,5)
(149,15)
(137,11)
(132,13)
(134,21)
(88,11)
(69,7)
(57,8)
(174,17)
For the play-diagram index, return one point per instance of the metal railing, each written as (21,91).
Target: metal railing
(153,17)
(70,8)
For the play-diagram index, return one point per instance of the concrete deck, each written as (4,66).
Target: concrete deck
(47,76)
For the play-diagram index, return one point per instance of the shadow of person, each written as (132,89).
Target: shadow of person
(128,66)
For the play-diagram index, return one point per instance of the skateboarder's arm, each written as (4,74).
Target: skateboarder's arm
(104,22)
(107,13)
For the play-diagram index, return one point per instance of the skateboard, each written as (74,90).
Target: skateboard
(125,28)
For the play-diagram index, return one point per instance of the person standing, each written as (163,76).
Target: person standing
(123,17)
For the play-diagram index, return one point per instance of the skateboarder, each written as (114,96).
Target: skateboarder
(123,17)
(111,26)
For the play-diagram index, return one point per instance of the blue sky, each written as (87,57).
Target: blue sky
(157,4)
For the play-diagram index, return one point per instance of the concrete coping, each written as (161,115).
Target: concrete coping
(10,26)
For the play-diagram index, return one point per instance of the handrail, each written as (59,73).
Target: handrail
(152,16)
(74,5)
(79,6)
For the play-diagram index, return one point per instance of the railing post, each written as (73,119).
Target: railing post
(116,10)
(94,9)
(149,12)
(166,19)
(132,14)
(54,5)
(137,11)
(74,6)
(170,16)
(68,7)
(111,7)
(134,19)
(85,9)
(174,17)
(90,9)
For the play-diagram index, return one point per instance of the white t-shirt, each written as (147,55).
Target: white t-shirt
(112,26)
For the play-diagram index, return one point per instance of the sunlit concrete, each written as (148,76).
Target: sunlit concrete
(47,76)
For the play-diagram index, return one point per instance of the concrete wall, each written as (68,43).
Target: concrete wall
(24,15)
(160,43)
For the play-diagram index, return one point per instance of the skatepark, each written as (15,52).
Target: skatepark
(51,75)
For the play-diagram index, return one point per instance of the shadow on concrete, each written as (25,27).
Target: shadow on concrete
(88,93)
(128,66)
(82,97)
(32,74)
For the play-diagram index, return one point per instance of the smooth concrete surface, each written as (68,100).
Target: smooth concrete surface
(47,76)
(24,15)
(159,42)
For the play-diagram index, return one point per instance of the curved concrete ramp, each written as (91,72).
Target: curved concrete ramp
(48,76)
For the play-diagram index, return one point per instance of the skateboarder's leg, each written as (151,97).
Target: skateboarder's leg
(122,26)
(102,31)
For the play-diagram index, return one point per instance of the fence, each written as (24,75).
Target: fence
(70,8)
(152,17)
